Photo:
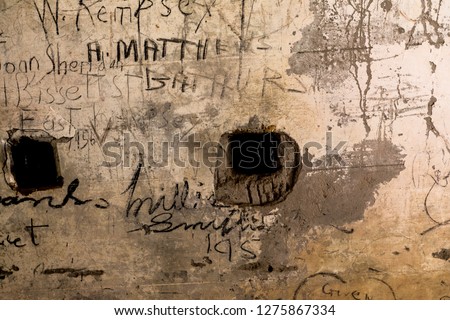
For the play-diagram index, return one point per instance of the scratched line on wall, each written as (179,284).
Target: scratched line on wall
(205,149)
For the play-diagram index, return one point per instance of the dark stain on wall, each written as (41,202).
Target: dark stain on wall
(332,196)
(6,272)
(444,254)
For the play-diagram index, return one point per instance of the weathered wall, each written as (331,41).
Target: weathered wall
(359,86)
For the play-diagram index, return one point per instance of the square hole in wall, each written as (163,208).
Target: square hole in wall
(261,167)
(34,165)
(254,153)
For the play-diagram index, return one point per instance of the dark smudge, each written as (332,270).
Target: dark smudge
(332,196)
(74,273)
(386,5)
(4,273)
(444,254)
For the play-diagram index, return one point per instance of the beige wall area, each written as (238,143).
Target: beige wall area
(115,120)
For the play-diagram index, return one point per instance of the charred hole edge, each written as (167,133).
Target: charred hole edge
(224,140)
(8,165)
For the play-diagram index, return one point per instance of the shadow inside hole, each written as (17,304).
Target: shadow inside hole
(34,165)
(261,167)
(254,153)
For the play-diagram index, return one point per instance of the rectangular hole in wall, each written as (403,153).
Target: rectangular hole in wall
(34,165)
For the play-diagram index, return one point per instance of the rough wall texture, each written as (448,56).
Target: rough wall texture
(122,106)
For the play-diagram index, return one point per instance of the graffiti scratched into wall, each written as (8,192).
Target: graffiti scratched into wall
(210,149)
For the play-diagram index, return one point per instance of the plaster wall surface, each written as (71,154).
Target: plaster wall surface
(136,96)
